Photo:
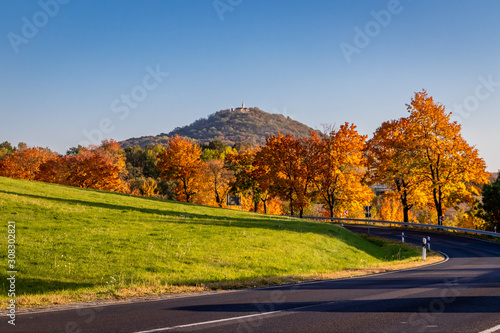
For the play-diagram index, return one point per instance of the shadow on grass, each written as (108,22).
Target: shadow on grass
(258,222)
(263,221)
(40,286)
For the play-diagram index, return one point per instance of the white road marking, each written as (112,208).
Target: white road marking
(231,319)
(395,294)
(491,330)
(208,322)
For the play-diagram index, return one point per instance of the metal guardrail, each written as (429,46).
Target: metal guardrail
(420,225)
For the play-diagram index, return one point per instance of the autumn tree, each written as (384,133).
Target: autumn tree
(149,187)
(290,166)
(394,163)
(181,162)
(96,167)
(24,163)
(54,170)
(451,168)
(115,154)
(250,177)
(216,180)
(340,169)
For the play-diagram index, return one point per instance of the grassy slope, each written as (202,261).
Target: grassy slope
(77,244)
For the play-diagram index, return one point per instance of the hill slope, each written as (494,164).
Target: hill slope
(75,244)
(230,126)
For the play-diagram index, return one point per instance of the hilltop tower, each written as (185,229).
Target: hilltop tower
(242,109)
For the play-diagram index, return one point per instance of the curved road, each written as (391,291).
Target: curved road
(459,295)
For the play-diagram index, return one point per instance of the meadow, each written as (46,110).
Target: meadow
(76,244)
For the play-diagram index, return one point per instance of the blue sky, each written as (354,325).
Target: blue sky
(74,71)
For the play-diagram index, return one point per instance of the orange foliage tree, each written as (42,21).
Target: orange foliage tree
(290,165)
(250,178)
(97,168)
(390,207)
(24,163)
(114,153)
(451,168)
(53,170)
(93,169)
(181,162)
(340,168)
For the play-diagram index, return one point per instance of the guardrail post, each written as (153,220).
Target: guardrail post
(403,237)
(424,248)
(495,229)
(429,243)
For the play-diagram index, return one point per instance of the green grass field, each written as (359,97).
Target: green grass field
(75,244)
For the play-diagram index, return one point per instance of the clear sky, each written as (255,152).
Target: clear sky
(74,71)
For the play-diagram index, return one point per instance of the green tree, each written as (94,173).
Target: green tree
(73,151)
(491,202)
(6,149)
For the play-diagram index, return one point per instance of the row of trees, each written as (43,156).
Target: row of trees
(93,167)
(326,168)
(421,158)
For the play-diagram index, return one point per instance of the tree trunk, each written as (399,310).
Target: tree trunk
(406,207)
(218,199)
(405,214)
(301,213)
(188,196)
(437,202)
(331,203)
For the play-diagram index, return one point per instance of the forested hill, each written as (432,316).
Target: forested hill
(250,125)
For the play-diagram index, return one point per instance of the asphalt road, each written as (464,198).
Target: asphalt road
(459,295)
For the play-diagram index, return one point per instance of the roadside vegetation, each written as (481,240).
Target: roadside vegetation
(76,244)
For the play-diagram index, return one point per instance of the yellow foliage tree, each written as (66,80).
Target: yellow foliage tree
(393,163)
(340,168)
(216,182)
(451,168)
(148,188)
